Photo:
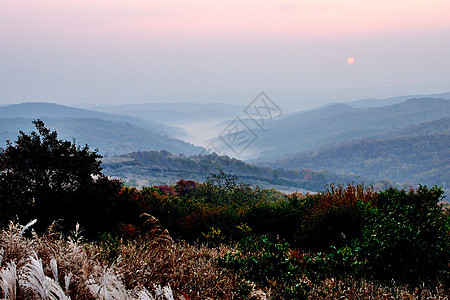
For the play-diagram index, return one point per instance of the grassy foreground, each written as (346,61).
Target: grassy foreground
(52,266)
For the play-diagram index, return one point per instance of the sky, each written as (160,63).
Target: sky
(135,51)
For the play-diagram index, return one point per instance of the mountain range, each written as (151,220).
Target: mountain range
(398,140)
(418,154)
(336,124)
(374,102)
(111,134)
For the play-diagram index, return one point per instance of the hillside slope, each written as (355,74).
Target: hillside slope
(372,102)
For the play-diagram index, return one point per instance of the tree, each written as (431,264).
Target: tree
(47,178)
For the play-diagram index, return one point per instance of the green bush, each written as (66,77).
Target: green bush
(225,189)
(109,247)
(406,237)
(340,263)
(266,262)
(281,217)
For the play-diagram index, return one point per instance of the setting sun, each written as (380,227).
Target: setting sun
(350,60)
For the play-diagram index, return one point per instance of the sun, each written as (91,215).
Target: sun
(351,60)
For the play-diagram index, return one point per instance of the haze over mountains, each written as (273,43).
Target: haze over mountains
(198,120)
(53,110)
(172,113)
(374,102)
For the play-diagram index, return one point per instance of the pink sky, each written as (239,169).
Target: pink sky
(229,17)
(224,41)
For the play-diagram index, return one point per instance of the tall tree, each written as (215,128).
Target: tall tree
(47,178)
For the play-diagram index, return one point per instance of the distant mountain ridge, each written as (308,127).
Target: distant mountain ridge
(174,113)
(111,134)
(338,123)
(373,102)
(33,110)
(412,155)
(423,159)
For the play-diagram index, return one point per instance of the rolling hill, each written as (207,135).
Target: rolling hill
(152,167)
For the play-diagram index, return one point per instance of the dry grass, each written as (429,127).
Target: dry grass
(52,267)
(197,274)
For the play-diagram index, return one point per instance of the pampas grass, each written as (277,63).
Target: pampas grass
(163,292)
(2,253)
(50,267)
(33,278)
(8,277)
(31,223)
(110,287)
(34,283)
(107,287)
(67,279)
(54,267)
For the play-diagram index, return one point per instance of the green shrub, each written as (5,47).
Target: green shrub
(224,189)
(340,263)
(281,217)
(407,236)
(109,247)
(266,262)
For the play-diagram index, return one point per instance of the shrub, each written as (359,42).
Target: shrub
(186,188)
(407,237)
(281,217)
(225,189)
(334,216)
(266,262)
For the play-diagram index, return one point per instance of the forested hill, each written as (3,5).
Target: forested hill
(441,125)
(421,158)
(153,167)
